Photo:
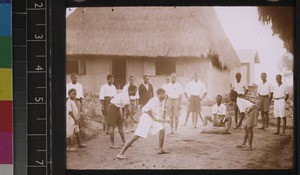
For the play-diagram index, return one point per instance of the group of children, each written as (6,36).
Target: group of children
(119,108)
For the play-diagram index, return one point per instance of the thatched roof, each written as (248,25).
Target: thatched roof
(246,55)
(191,32)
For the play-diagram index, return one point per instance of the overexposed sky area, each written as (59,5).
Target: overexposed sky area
(245,31)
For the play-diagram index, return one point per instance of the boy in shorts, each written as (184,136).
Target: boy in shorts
(249,111)
(149,122)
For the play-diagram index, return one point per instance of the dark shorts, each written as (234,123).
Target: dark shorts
(264,103)
(194,104)
(114,117)
(106,102)
(251,118)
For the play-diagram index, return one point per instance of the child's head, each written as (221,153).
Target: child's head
(74,78)
(72,94)
(110,79)
(161,94)
(233,96)
(132,89)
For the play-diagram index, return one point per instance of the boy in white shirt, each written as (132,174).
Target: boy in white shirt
(78,87)
(249,111)
(280,97)
(149,121)
(219,116)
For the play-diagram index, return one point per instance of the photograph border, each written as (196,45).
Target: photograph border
(57,47)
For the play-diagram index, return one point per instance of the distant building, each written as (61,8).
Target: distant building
(248,59)
(149,40)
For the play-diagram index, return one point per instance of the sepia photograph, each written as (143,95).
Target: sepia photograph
(165,88)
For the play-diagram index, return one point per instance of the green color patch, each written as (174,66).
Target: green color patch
(5,52)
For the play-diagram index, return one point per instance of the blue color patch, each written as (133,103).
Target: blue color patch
(5,18)
(5,1)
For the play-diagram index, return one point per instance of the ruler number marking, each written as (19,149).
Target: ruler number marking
(39,99)
(41,163)
(38,68)
(36,36)
(38,5)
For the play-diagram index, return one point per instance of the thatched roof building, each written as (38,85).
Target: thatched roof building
(191,32)
(135,41)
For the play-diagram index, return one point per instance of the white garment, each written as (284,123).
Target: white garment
(146,122)
(164,86)
(125,90)
(279,108)
(195,88)
(120,100)
(71,107)
(264,88)
(243,105)
(78,87)
(219,110)
(174,90)
(239,87)
(280,91)
(107,91)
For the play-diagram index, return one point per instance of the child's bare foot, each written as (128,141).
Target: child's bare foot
(276,133)
(163,152)
(241,146)
(114,147)
(248,149)
(121,156)
(81,146)
(71,149)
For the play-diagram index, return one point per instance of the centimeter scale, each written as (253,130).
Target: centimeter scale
(30,62)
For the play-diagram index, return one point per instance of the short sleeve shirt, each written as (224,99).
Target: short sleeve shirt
(120,100)
(280,91)
(195,88)
(107,91)
(264,88)
(239,87)
(219,110)
(174,90)
(152,105)
(243,105)
(77,87)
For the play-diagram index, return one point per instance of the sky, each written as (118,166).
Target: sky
(245,31)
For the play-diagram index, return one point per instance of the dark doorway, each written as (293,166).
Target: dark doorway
(119,71)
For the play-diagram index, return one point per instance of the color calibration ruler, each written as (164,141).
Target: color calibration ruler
(31,125)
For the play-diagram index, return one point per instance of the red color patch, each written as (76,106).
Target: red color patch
(6,116)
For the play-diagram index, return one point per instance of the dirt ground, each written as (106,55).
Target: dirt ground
(190,149)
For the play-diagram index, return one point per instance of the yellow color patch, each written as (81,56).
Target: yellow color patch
(5,84)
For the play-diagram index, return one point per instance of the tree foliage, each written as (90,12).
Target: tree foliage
(282,21)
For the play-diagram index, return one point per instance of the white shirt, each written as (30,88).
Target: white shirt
(264,88)
(239,87)
(78,87)
(125,90)
(280,91)
(71,107)
(195,88)
(174,90)
(219,110)
(107,91)
(152,105)
(244,105)
(164,86)
(120,100)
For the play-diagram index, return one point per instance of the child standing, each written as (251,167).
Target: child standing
(72,121)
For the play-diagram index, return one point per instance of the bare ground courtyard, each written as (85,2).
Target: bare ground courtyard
(190,149)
